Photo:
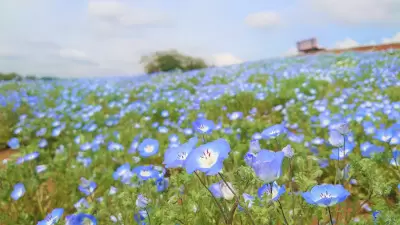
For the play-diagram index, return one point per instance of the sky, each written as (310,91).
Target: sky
(94,38)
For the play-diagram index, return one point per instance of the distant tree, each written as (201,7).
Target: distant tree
(165,61)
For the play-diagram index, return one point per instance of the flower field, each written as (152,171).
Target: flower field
(301,140)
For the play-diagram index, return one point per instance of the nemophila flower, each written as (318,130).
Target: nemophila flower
(274,131)
(87,187)
(142,201)
(203,126)
(395,161)
(249,158)
(272,193)
(116,219)
(162,184)
(221,190)
(41,168)
(375,215)
(369,127)
(81,204)
(173,138)
(56,131)
(27,157)
(18,130)
(13,143)
(176,156)
(113,190)
(254,146)
(53,217)
(368,149)
(162,129)
(384,135)
(395,140)
(249,199)
(298,138)
(148,147)
(208,158)
(164,113)
(112,147)
(18,191)
(41,132)
(140,217)
(288,151)
(317,141)
(326,195)
(340,153)
(134,145)
(267,165)
(146,172)
(235,116)
(123,173)
(85,146)
(342,128)
(81,219)
(188,131)
(42,143)
(336,139)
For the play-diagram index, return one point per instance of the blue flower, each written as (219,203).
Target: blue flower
(146,172)
(221,190)
(274,131)
(87,187)
(368,149)
(203,126)
(254,146)
(326,195)
(175,157)
(267,165)
(148,147)
(247,199)
(122,171)
(274,193)
(208,158)
(13,143)
(235,115)
(42,143)
(81,219)
(53,217)
(162,184)
(384,135)
(336,139)
(142,201)
(340,154)
(18,191)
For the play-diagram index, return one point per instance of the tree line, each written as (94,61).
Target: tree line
(17,77)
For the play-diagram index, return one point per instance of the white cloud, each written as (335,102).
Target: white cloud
(263,19)
(225,59)
(358,11)
(124,14)
(394,39)
(347,43)
(72,54)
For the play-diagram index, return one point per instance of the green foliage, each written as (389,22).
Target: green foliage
(166,61)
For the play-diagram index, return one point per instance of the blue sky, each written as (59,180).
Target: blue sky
(81,38)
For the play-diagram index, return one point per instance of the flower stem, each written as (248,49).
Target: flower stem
(330,215)
(216,202)
(148,216)
(237,198)
(283,214)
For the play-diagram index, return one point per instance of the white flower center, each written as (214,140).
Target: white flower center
(203,128)
(208,158)
(149,148)
(145,173)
